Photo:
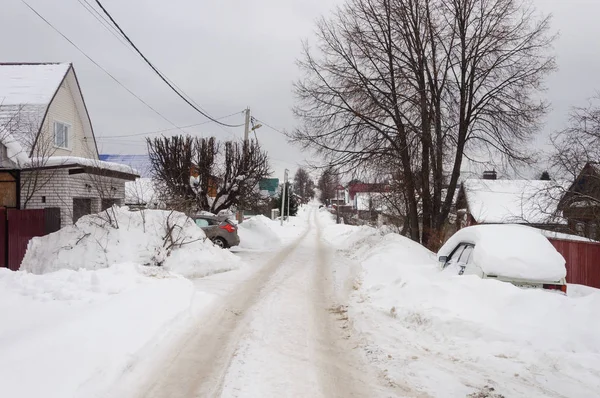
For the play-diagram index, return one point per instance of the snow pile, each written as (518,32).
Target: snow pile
(576,290)
(439,334)
(563,236)
(75,333)
(512,251)
(149,237)
(257,233)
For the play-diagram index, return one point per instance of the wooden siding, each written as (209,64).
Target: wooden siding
(64,109)
(583,261)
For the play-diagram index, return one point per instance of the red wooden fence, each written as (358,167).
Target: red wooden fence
(22,226)
(583,261)
(17,227)
(3,238)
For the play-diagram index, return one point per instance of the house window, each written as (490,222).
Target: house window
(61,135)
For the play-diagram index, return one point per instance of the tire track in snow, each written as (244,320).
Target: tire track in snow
(341,373)
(198,363)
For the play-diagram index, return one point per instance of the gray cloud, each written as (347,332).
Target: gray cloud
(228,55)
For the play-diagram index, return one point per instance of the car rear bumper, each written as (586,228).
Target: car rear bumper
(234,240)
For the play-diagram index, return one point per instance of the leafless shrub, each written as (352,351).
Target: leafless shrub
(228,174)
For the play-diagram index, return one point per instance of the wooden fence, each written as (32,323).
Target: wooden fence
(583,261)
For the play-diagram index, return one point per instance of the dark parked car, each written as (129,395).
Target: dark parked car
(222,232)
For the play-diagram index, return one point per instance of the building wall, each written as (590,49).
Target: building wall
(64,109)
(59,188)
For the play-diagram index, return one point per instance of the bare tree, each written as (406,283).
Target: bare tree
(304,185)
(200,174)
(579,143)
(328,181)
(424,84)
(30,144)
(575,157)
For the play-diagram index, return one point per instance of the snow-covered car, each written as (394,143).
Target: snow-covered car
(511,253)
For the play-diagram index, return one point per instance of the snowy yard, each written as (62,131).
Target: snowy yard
(306,309)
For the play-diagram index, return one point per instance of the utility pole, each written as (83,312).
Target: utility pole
(247,126)
(246,143)
(289,199)
(337,200)
(283,194)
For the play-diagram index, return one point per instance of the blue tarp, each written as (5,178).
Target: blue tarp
(139,162)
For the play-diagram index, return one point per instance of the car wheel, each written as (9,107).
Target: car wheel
(220,242)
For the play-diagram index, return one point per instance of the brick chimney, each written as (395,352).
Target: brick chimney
(490,175)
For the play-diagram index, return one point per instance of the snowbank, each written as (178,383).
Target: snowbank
(437,334)
(257,233)
(575,290)
(512,251)
(74,333)
(90,300)
(118,235)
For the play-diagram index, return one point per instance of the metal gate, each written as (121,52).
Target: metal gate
(17,227)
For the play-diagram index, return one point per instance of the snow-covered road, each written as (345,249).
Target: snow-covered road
(307,309)
(280,332)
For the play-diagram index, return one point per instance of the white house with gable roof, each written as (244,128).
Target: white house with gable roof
(48,152)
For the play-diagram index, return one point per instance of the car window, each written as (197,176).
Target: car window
(465,256)
(201,222)
(455,255)
(212,222)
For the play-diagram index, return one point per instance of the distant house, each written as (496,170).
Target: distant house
(340,196)
(364,197)
(48,152)
(581,202)
(492,201)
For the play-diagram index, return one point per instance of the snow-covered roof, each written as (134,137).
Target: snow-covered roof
(563,236)
(141,163)
(511,251)
(22,84)
(66,161)
(513,201)
(26,91)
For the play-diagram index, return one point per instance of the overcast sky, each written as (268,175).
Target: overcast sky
(229,54)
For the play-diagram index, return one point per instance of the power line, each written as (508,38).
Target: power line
(165,130)
(161,75)
(271,127)
(106,24)
(98,65)
(102,21)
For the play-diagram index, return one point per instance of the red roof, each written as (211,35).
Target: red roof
(362,187)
